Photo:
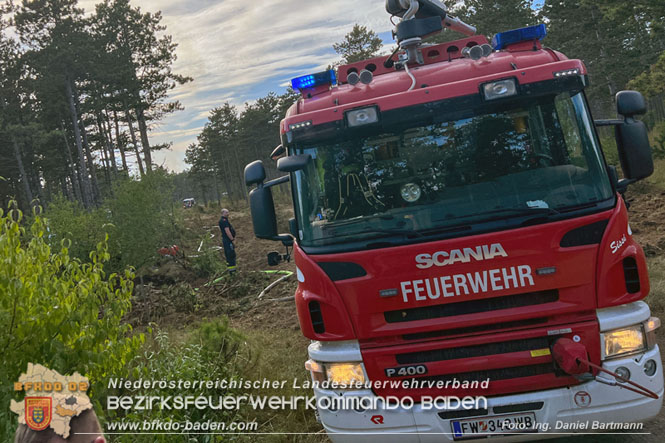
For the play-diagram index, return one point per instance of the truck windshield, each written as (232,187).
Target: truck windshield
(540,157)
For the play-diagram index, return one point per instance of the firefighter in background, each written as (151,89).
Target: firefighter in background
(228,241)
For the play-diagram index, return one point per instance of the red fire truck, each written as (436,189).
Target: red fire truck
(458,233)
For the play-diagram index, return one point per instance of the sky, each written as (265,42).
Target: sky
(239,50)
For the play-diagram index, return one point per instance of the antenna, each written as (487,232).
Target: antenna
(419,19)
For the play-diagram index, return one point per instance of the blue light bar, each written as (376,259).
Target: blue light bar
(314,80)
(503,39)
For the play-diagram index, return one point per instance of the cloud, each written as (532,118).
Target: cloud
(237,50)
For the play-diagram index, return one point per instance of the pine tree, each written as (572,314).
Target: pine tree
(359,44)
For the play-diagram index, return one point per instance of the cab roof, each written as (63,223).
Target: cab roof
(446,73)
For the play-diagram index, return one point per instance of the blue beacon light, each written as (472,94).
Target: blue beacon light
(314,80)
(503,39)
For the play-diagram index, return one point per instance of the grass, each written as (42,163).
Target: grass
(656,298)
(657,180)
(281,355)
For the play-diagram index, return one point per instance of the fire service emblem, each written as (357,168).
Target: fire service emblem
(38,412)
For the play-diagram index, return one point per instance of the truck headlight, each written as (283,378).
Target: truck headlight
(624,341)
(337,375)
(345,375)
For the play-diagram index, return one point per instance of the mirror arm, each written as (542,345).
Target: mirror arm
(623,184)
(277,181)
(611,122)
(286,239)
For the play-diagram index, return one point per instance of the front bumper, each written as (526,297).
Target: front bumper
(607,404)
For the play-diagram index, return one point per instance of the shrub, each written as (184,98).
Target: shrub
(57,311)
(208,261)
(139,219)
(182,297)
(69,220)
(659,140)
(210,353)
(143,213)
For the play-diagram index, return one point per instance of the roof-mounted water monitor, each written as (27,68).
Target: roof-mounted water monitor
(419,19)
(426,9)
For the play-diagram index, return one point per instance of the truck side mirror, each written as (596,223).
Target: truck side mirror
(263,213)
(261,203)
(293,163)
(630,103)
(632,137)
(255,173)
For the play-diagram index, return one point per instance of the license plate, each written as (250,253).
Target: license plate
(494,425)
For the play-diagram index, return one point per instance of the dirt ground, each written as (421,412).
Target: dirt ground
(276,311)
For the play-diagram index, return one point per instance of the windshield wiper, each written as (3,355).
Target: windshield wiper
(390,231)
(515,211)
(523,211)
(357,220)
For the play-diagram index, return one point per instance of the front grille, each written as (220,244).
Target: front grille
(476,329)
(472,307)
(494,374)
(505,347)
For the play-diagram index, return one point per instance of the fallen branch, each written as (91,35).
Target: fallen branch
(273,284)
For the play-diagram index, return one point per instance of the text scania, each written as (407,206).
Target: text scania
(469,283)
(443,258)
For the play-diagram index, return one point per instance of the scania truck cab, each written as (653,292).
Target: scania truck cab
(455,222)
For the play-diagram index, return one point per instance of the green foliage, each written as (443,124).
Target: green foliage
(652,81)
(57,311)
(616,40)
(659,140)
(208,262)
(359,44)
(70,220)
(140,218)
(493,16)
(230,140)
(609,145)
(212,351)
(183,297)
(144,216)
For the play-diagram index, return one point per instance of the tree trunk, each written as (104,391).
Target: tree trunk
(86,188)
(19,163)
(143,129)
(216,185)
(91,166)
(65,188)
(119,141)
(225,179)
(21,171)
(106,163)
(75,176)
(106,151)
(133,134)
(108,142)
